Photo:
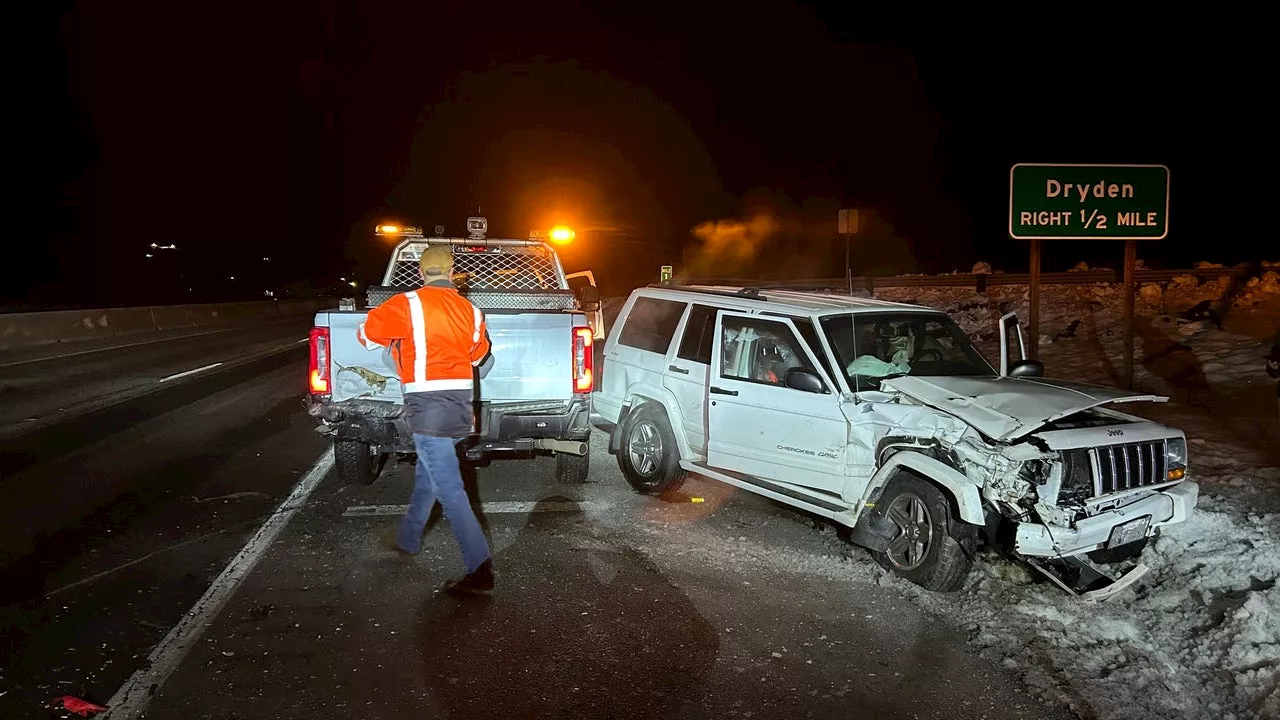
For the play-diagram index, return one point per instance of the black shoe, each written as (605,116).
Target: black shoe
(479,582)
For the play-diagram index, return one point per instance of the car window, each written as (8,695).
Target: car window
(651,324)
(874,346)
(760,351)
(699,332)
(810,335)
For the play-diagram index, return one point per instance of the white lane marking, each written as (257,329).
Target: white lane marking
(189,372)
(489,508)
(305,339)
(131,700)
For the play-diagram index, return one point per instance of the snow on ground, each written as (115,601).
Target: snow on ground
(1198,637)
(1195,639)
(1249,306)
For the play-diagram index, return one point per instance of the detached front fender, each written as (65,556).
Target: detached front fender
(968,498)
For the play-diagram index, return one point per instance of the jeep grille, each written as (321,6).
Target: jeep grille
(1123,467)
(1113,468)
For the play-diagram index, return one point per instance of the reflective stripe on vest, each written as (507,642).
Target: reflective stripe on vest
(419,321)
(433,385)
(475,336)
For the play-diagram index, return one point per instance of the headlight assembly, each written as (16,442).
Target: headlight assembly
(1176,456)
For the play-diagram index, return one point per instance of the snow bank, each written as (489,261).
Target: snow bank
(1199,637)
(1069,309)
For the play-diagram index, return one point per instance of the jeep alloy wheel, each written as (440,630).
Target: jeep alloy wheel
(649,456)
(910,547)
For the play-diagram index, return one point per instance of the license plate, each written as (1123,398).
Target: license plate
(1129,532)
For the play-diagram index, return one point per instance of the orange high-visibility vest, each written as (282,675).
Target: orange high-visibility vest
(435,335)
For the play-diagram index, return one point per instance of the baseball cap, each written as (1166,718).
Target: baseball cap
(436,260)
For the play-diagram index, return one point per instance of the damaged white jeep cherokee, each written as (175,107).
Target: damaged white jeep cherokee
(885,418)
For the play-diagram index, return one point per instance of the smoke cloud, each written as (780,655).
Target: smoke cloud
(730,248)
(776,239)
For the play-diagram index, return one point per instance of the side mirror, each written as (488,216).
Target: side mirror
(1010,320)
(589,295)
(1026,368)
(805,380)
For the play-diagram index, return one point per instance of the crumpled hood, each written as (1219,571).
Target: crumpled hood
(1009,408)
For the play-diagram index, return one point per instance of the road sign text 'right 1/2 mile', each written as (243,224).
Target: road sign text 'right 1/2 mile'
(1088,202)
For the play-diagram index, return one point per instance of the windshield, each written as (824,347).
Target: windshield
(871,347)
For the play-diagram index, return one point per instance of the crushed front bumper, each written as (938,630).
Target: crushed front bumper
(1171,505)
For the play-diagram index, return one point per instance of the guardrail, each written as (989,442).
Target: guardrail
(979,282)
(64,326)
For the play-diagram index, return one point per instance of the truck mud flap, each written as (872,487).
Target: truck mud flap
(1082,578)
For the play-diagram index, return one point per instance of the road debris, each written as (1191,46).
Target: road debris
(234,496)
(83,708)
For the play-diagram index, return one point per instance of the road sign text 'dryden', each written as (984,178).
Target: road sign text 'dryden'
(1088,202)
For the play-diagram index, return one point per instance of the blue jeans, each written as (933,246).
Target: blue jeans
(438,477)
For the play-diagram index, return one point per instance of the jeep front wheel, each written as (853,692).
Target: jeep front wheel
(930,547)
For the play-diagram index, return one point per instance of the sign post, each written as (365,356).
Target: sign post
(847,225)
(1088,202)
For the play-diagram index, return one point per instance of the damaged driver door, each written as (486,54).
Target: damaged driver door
(771,413)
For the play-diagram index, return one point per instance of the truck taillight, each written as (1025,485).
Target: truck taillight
(583,359)
(318,368)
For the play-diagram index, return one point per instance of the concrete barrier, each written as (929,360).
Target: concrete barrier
(68,326)
(170,317)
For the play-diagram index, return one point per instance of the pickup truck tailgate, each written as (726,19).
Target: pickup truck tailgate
(532,358)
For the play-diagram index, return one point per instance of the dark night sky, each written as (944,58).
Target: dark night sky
(241,133)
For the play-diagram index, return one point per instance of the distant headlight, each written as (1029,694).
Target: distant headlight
(1176,453)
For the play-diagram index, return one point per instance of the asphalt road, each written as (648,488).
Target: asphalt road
(58,399)
(609,605)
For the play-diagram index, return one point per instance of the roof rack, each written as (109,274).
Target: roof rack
(799,287)
(746,292)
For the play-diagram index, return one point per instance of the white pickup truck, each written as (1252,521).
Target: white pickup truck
(534,390)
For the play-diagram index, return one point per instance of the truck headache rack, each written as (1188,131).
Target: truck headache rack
(486,266)
(515,300)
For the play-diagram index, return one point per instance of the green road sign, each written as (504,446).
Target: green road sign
(1088,202)
(665,273)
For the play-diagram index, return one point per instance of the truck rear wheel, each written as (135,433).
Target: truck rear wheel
(573,469)
(358,462)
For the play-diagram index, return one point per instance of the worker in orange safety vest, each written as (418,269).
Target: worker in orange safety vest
(436,338)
